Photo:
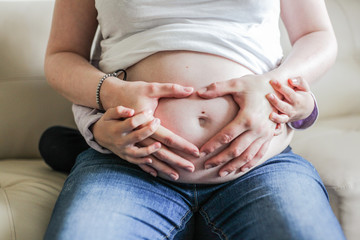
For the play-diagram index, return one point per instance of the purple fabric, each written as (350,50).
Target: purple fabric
(307,122)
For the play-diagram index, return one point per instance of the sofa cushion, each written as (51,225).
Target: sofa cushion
(332,146)
(28,191)
(28,105)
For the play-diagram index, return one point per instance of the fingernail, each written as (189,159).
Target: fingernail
(224,173)
(156,122)
(152,173)
(188,89)
(272,117)
(190,169)
(271,96)
(131,112)
(148,161)
(294,81)
(157,145)
(245,169)
(173,176)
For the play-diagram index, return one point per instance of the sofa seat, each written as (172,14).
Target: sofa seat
(28,192)
(333,148)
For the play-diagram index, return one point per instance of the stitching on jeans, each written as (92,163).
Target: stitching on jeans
(195,199)
(215,229)
(181,223)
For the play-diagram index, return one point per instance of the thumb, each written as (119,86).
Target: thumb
(299,83)
(118,112)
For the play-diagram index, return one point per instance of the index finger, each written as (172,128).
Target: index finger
(170,139)
(217,89)
(169,90)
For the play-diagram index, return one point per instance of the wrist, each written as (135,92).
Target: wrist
(111,92)
(309,120)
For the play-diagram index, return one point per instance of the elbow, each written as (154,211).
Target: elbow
(47,69)
(50,70)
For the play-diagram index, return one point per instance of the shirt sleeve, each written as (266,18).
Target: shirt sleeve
(85,117)
(307,122)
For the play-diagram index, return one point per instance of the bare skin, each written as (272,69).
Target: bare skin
(242,142)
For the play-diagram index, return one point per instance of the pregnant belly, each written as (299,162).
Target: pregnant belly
(196,119)
(193,118)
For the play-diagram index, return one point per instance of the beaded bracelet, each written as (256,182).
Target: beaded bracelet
(114,74)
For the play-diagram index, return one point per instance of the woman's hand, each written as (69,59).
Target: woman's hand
(250,133)
(129,138)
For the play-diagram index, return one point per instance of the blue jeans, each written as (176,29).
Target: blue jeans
(106,197)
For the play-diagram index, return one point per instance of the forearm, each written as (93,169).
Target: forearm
(312,37)
(311,56)
(74,77)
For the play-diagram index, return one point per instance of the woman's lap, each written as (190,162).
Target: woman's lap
(105,197)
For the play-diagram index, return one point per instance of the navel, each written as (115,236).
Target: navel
(203,119)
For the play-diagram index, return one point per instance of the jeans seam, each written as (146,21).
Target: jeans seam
(215,229)
(195,199)
(181,224)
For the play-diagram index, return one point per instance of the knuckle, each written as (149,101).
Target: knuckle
(235,153)
(174,88)
(230,169)
(119,144)
(161,155)
(218,162)
(233,165)
(248,157)
(249,121)
(225,138)
(128,151)
(138,137)
(152,129)
(132,123)
(168,141)
(260,155)
(250,164)
(148,150)
(214,86)
(152,88)
(234,84)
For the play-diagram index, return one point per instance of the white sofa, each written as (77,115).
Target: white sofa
(29,188)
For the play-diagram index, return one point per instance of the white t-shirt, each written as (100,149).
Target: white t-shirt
(245,31)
